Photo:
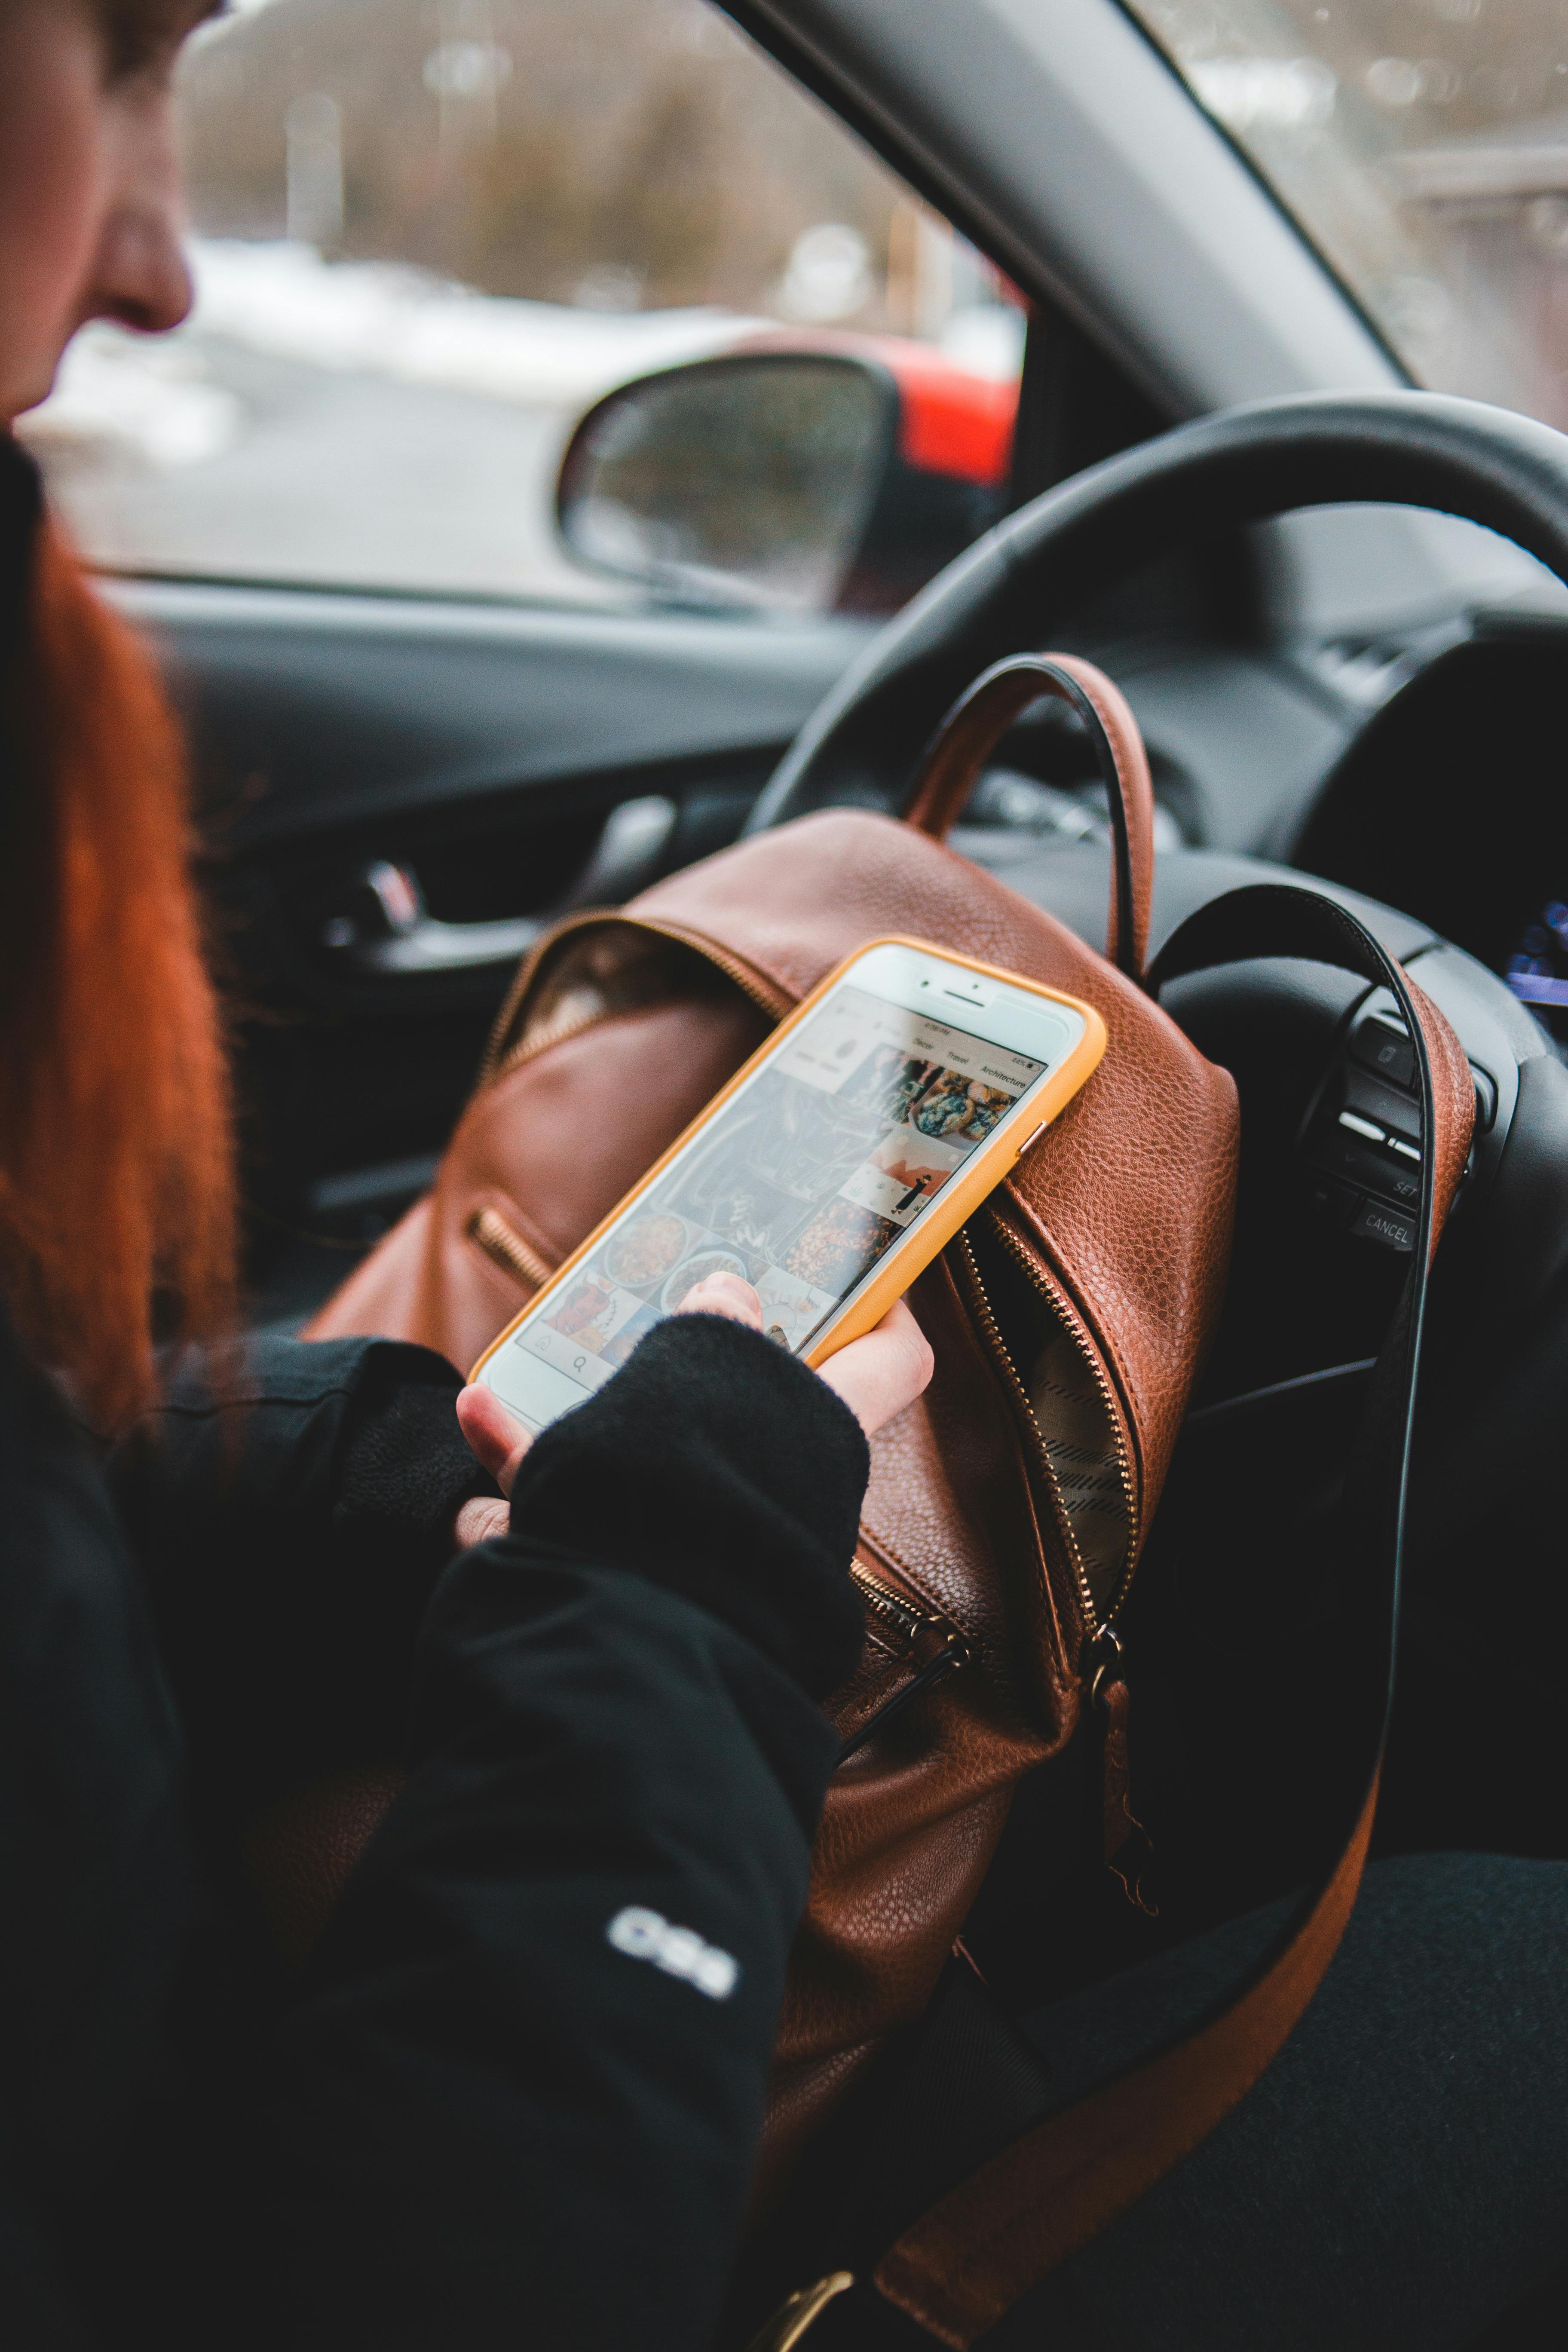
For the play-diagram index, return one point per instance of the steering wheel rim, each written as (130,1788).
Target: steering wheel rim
(1011,589)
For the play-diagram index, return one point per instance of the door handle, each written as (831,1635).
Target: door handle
(404,938)
(408,939)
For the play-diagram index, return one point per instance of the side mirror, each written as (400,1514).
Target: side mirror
(789,480)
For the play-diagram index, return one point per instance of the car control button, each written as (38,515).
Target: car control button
(1381,1102)
(1359,1126)
(1335,1201)
(1386,1048)
(1373,1223)
(1370,1170)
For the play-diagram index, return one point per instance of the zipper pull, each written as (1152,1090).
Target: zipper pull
(933,1644)
(953,1652)
(1128,1847)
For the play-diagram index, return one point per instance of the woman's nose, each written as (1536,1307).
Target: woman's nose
(142,278)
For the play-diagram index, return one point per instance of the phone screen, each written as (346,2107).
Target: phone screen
(806,1177)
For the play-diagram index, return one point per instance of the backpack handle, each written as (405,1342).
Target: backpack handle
(976,724)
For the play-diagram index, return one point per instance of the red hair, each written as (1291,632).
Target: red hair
(117,1197)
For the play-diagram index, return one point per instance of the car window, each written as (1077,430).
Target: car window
(1423,145)
(429,235)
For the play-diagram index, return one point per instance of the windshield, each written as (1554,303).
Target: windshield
(1423,145)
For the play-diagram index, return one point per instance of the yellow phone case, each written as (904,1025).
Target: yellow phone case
(905,1259)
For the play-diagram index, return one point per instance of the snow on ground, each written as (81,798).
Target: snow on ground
(382,318)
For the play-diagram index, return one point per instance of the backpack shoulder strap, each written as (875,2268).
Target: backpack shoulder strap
(971,2256)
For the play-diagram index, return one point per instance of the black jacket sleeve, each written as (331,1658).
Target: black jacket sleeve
(291,1507)
(517,2099)
(97,1890)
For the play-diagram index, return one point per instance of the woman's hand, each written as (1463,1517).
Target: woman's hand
(877,1376)
(499,1443)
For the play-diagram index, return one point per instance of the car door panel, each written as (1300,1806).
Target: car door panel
(318,708)
(491,756)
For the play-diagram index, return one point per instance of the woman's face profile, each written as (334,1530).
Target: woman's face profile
(91,208)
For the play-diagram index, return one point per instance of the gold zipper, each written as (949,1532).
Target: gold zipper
(540,1043)
(765,993)
(889,1605)
(504,1246)
(794,2316)
(497,1062)
(1073,1324)
(906,1619)
(490,1067)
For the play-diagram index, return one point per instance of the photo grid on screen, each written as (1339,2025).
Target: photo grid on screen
(799,1184)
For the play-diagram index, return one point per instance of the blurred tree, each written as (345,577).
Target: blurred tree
(623,152)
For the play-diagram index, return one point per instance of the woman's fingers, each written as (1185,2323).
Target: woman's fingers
(496,1439)
(481,1517)
(724,1294)
(500,1443)
(879,1375)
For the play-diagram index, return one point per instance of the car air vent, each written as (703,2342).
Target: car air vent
(1004,800)
(1365,671)
(1368,669)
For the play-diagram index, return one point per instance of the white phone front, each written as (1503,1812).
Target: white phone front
(849,1131)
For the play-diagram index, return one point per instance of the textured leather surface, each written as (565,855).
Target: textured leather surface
(379,1300)
(949,1507)
(976,725)
(552,1145)
(1123,1205)
(1453,1087)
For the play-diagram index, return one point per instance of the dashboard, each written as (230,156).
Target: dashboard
(1450,804)
(1427,772)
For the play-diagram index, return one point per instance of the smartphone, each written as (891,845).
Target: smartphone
(828,1172)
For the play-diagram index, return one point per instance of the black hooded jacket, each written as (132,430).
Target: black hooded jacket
(512,2096)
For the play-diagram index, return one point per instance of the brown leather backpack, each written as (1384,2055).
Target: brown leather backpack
(1007,1509)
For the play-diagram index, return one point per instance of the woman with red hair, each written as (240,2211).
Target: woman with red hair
(479,2115)
(512,2096)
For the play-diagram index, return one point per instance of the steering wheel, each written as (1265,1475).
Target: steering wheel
(1015,585)
(1291,1040)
